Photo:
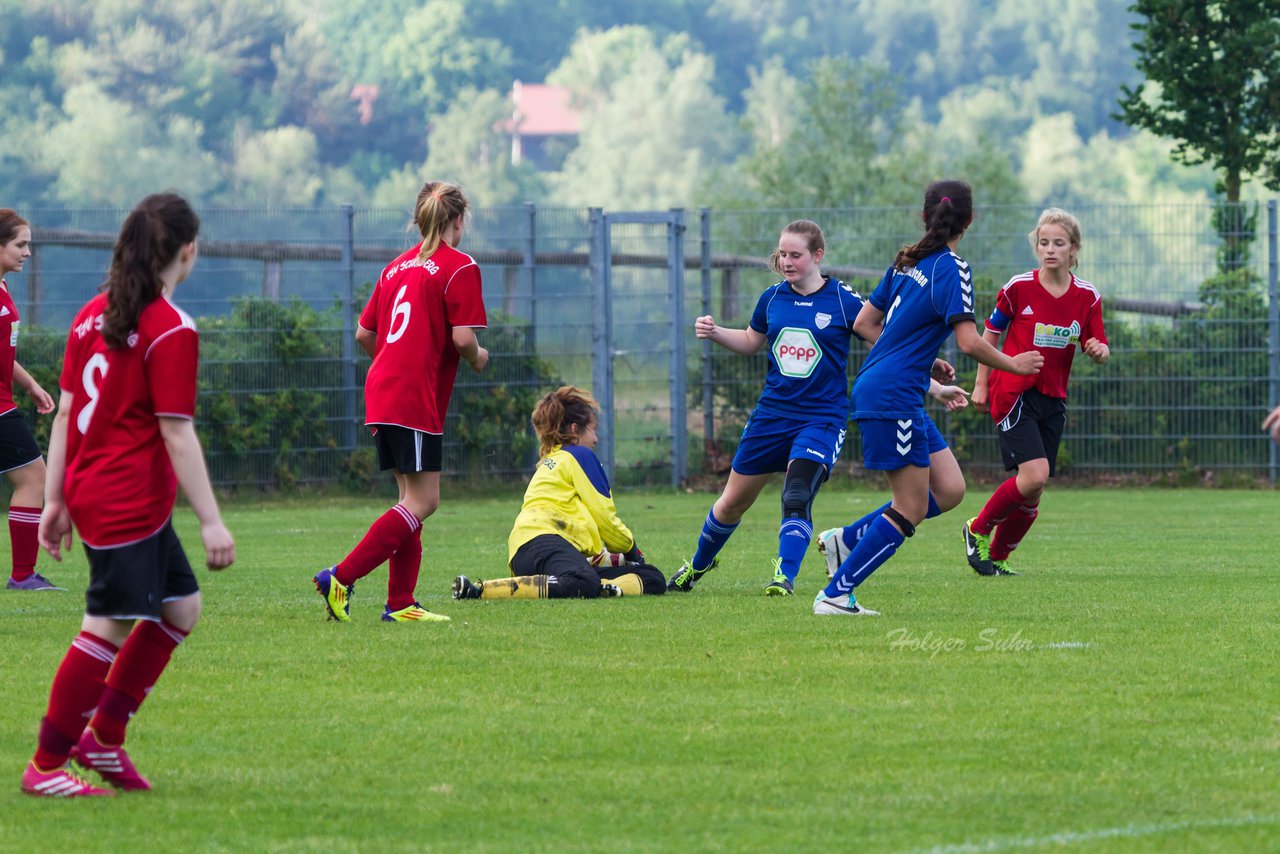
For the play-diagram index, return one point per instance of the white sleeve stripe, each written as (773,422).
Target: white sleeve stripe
(456,272)
(165,335)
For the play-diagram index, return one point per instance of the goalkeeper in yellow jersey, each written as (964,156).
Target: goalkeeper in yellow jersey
(568,541)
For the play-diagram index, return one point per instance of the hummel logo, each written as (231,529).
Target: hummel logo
(817,454)
(1028,310)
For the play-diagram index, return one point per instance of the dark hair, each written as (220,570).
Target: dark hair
(804,228)
(948,210)
(151,237)
(439,203)
(557,410)
(10,222)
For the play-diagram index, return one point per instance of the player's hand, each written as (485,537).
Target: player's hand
(44,403)
(1096,350)
(980,398)
(634,555)
(1028,362)
(952,396)
(1272,423)
(943,371)
(705,326)
(481,359)
(54,533)
(219,548)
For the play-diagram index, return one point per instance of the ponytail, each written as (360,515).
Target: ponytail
(439,203)
(948,210)
(151,237)
(559,409)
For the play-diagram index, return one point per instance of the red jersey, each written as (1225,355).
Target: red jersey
(1034,319)
(412,311)
(120,486)
(8,347)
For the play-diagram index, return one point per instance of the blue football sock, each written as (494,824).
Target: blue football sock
(794,536)
(850,534)
(877,545)
(713,537)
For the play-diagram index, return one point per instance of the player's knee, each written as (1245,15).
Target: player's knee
(652,581)
(578,583)
(804,479)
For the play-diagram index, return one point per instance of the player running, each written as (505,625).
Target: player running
(1049,311)
(925,296)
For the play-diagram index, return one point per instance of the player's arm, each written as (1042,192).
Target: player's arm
(468,346)
(616,535)
(24,380)
(55,523)
(982,380)
(869,323)
(744,342)
(367,339)
(977,347)
(183,446)
(1272,423)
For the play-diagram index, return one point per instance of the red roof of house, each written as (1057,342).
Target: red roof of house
(542,110)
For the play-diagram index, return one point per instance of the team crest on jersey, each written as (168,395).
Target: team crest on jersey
(1057,337)
(796,352)
(822,320)
(549,463)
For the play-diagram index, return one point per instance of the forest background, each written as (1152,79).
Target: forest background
(721,103)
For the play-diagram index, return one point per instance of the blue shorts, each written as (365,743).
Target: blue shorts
(892,443)
(769,442)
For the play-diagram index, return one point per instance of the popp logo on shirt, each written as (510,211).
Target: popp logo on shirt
(796,352)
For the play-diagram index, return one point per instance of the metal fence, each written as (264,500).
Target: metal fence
(605,300)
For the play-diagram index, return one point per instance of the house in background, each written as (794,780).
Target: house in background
(544,125)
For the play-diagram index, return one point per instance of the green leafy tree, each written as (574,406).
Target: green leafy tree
(1213,84)
(652,100)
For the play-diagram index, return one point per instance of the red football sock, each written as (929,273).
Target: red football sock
(383,538)
(77,687)
(998,506)
(24,523)
(1011,531)
(142,659)
(402,571)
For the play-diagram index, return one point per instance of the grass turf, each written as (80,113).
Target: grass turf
(1119,695)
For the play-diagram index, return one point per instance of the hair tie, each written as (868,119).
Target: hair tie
(945,199)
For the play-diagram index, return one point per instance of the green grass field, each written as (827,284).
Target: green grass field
(1120,695)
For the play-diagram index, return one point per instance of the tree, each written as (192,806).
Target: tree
(1213,84)
(651,122)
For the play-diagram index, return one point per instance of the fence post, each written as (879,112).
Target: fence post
(679,400)
(708,401)
(348,329)
(34,283)
(529,261)
(1273,322)
(599,265)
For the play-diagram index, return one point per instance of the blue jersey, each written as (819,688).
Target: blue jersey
(921,304)
(809,338)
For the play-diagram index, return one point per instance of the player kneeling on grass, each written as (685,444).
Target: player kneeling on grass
(122,443)
(568,541)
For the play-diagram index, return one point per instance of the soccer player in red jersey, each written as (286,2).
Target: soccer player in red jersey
(20,458)
(123,441)
(419,323)
(1052,311)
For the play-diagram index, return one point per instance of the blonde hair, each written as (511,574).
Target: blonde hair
(1057,216)
(556,411)
(805,228)
(439,203)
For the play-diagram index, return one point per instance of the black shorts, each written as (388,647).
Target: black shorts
(1033,429)
(408,451)
(17,445)
(132,582)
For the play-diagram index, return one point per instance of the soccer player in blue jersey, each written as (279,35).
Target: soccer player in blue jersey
(925,296)
(798,425)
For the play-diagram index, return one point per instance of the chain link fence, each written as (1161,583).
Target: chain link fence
(606,300)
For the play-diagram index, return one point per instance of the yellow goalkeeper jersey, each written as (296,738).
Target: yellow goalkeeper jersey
(569,496)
